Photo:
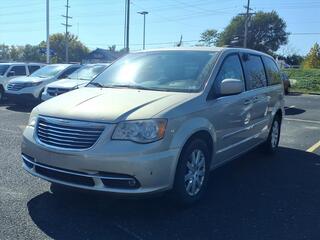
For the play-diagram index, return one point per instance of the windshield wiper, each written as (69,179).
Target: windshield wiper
(96,84)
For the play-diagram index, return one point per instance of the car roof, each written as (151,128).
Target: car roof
(21,63)
(207,49)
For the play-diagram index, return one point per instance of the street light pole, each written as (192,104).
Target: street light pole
(144,13)
(127,25)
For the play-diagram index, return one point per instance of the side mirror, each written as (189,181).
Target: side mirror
(231,86)
(11,74)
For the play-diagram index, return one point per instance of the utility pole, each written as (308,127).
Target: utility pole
(127,25)
(144,13)
(67,25)
(246,24)
(48,34)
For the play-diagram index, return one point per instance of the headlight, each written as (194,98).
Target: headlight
(141,131)
(33,119)
(31,84)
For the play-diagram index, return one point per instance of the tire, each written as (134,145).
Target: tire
(271,145)
(286,91)
(1,94)
(184,191)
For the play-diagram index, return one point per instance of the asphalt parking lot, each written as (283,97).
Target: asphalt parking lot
(253,197)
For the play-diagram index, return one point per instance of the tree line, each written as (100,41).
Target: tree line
(37,53)
(267,33)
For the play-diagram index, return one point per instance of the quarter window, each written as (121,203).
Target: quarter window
(254,71)
(272,71)
(19,70)
(231,68)
(67,72)
(33,68)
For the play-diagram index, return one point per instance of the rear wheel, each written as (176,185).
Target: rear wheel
(1,94)
(272,142)
(192,172)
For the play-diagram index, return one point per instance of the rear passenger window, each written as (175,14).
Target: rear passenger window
(19,70)
(254,71)
(33,68)
(272,70)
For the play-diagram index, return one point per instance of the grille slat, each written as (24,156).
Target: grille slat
(69,128)
(64,135)
(80,141)
(15,86)
(69,134)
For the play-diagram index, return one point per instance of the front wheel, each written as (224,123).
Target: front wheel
(272,143)
(192,172)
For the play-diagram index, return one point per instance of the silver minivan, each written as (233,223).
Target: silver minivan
(158,120)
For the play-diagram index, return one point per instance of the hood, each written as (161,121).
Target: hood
(27,79)
(110,104)
(68,83)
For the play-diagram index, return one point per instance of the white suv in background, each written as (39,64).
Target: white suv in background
(12,70)
(77,79)
(29,89)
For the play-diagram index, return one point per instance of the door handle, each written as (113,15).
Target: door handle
(247,102)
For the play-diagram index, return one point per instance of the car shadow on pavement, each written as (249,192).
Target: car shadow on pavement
(293,111)
(21,108)
(252,197)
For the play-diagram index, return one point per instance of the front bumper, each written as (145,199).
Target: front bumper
(110,166)
(28,93)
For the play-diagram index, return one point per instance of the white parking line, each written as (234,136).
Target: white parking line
(302,120)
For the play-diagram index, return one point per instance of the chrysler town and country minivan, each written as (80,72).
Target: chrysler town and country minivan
(157,120)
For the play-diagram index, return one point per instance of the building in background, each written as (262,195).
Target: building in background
(102,56)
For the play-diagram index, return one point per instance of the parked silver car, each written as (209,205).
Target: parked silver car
(77,79)
(156,121)
(30,88)
(12,70)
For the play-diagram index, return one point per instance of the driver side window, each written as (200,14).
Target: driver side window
(231,68)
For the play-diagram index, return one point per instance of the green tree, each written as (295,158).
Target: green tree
(4,52)
(313,58)
(267,32)
(112,48)
(207,38)
(16,52)
(32,53)
(77,50)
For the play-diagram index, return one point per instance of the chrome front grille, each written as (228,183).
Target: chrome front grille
(56,91)
(68,134)
(15,86)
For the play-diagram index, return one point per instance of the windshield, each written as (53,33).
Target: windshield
(87,72)
(49,71)
(184,71)
(3,69)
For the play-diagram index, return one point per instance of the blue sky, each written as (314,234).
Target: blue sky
(100,23)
